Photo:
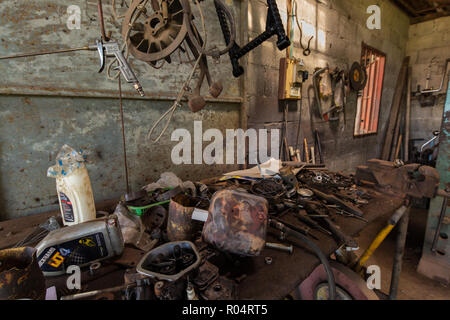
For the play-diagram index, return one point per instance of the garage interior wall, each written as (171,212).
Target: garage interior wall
(49,101)
(339,28)
(429,48)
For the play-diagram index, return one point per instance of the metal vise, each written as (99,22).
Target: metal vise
(413,180)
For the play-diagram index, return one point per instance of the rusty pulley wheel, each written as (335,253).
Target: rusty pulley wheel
(159,29)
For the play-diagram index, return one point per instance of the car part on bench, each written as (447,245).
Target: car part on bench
(20,275)
(170,261)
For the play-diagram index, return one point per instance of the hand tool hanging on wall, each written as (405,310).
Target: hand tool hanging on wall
(104,49)
(307,50)
(274,26)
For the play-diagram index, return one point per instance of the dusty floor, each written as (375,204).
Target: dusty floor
(413,286)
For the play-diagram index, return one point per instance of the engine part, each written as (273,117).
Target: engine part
(237,223)
(221,289)
(20,275)
(80,245)
(170,290)
(207,273)
(170,261)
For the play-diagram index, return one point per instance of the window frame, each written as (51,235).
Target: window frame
(369,99)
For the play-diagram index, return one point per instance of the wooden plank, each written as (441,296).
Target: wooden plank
(394,110)
(408,118)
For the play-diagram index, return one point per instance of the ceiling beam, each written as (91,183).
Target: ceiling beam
(406,6)
(430,16)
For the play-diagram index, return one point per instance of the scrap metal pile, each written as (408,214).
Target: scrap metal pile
(178,240)
(185,240)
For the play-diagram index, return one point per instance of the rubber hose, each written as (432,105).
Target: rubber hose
(323,259)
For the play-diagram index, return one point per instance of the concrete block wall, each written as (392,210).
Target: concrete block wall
(48,101)
(429,47)
(339,29)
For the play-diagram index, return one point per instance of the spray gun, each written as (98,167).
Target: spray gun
(104,49)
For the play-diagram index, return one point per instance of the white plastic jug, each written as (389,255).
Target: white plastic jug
(76,199)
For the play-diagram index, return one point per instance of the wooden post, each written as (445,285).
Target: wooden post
(386,152)
(408,117)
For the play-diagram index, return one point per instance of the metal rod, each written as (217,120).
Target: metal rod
(102,21)
(33,54)
(123,135)
(438,227)
(399,252)
(280,247)
(89,294)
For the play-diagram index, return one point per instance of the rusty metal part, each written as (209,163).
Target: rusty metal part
(342,203)
(155,217)
(157,288)
(170,290)
(280,247)
(268,260)
(179,223)
(413,180)
(237,223)
(221,289)
(20,275)
(207,273)
(155,35)
(130,257)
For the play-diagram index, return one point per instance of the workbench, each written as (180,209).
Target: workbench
(263,282)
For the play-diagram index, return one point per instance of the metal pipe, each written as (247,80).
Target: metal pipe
(380,237)
(442,81)
(399,252)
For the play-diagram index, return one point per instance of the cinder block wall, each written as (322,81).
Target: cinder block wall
(429,47)
(339,29)
(48,101)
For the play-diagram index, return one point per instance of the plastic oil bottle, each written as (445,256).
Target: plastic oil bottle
(76,199)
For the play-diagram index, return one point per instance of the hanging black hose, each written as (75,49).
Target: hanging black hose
(326,264)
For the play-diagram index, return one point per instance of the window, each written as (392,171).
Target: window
(369,99)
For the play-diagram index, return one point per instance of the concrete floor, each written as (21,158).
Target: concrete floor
(413,286)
